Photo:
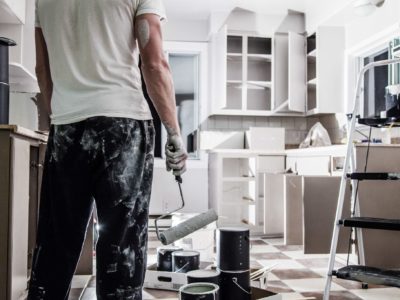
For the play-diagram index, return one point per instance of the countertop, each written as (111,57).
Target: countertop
(19,130)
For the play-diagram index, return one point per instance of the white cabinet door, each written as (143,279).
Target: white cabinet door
(280,69)
(219,69)
(330,69)
(297,72)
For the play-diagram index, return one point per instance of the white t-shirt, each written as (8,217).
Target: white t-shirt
(94,57)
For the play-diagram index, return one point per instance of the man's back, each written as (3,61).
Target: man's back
(93,57)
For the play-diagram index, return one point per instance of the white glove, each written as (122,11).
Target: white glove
(176,155)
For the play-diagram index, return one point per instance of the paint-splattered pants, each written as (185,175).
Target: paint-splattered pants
(109,161)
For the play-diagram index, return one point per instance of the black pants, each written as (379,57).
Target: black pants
(109,161)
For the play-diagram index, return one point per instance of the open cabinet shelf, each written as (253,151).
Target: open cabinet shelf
(242,76)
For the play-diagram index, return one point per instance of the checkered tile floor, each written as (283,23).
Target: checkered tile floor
(295,276)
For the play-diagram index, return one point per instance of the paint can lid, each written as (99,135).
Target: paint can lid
(186,253)
(164,249)
(199,288)
(203,273)
(234,229)
(7,42)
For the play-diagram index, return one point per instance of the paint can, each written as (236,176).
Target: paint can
(209,276)
(199,291)
(233,249)
(164,257)
(185,261)
(235,285)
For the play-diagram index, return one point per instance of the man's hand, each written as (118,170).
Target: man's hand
(176,154)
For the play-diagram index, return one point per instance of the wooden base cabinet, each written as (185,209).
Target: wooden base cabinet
(21,165)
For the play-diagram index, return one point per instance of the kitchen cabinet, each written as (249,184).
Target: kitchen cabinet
(325,70)
(236,185)
(379,199)
(22,154)
(320,194)
(316,161)
(21,167)
(289,73)
(12,11)
(241,74)
(22,56)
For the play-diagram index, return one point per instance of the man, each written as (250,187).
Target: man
(101,140)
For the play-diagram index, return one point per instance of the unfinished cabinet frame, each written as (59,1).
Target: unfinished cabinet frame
(236,186)
(290,73)
(242,69)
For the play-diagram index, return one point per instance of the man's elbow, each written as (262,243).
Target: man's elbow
(156,65)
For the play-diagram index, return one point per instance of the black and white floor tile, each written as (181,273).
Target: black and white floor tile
(295,276)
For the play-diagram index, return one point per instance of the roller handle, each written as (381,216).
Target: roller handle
(178,179)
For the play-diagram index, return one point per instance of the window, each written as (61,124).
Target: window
(185,73)
(375,83)
(185,70)
(377,79)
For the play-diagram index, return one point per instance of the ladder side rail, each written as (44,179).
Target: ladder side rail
(342,190)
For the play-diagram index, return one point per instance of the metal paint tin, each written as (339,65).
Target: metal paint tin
(164,257)
(185,261)
(209,276)
(233,249)
(235,285)
(199,291)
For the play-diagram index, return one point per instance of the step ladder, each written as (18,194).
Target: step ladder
(360,272)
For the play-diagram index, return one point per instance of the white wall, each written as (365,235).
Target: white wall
(366,35)
(186,30)
(370,28)
(165,194)
(23,111)
(244,20)
(320,11)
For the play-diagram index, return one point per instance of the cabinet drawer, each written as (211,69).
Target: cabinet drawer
(271,164)
(316,165)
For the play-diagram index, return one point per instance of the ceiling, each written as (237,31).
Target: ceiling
(201,9)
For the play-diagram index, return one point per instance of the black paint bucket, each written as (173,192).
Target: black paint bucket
(164,257)
(199,291)
(209,276)
(233,249)
(235,285)
(185,261)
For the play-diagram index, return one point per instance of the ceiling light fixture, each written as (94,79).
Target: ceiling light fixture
(366,7)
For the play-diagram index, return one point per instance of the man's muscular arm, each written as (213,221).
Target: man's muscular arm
(158,78)
(43,73)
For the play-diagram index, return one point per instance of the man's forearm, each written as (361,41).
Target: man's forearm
(161,90)
(43,71)
(46,89)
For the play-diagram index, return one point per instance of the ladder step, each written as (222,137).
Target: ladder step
(371,223)
(374,176)
(369,275)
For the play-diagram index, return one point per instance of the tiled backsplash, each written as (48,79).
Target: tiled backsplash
(296,127)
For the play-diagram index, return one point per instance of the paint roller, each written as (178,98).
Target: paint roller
(187,227)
